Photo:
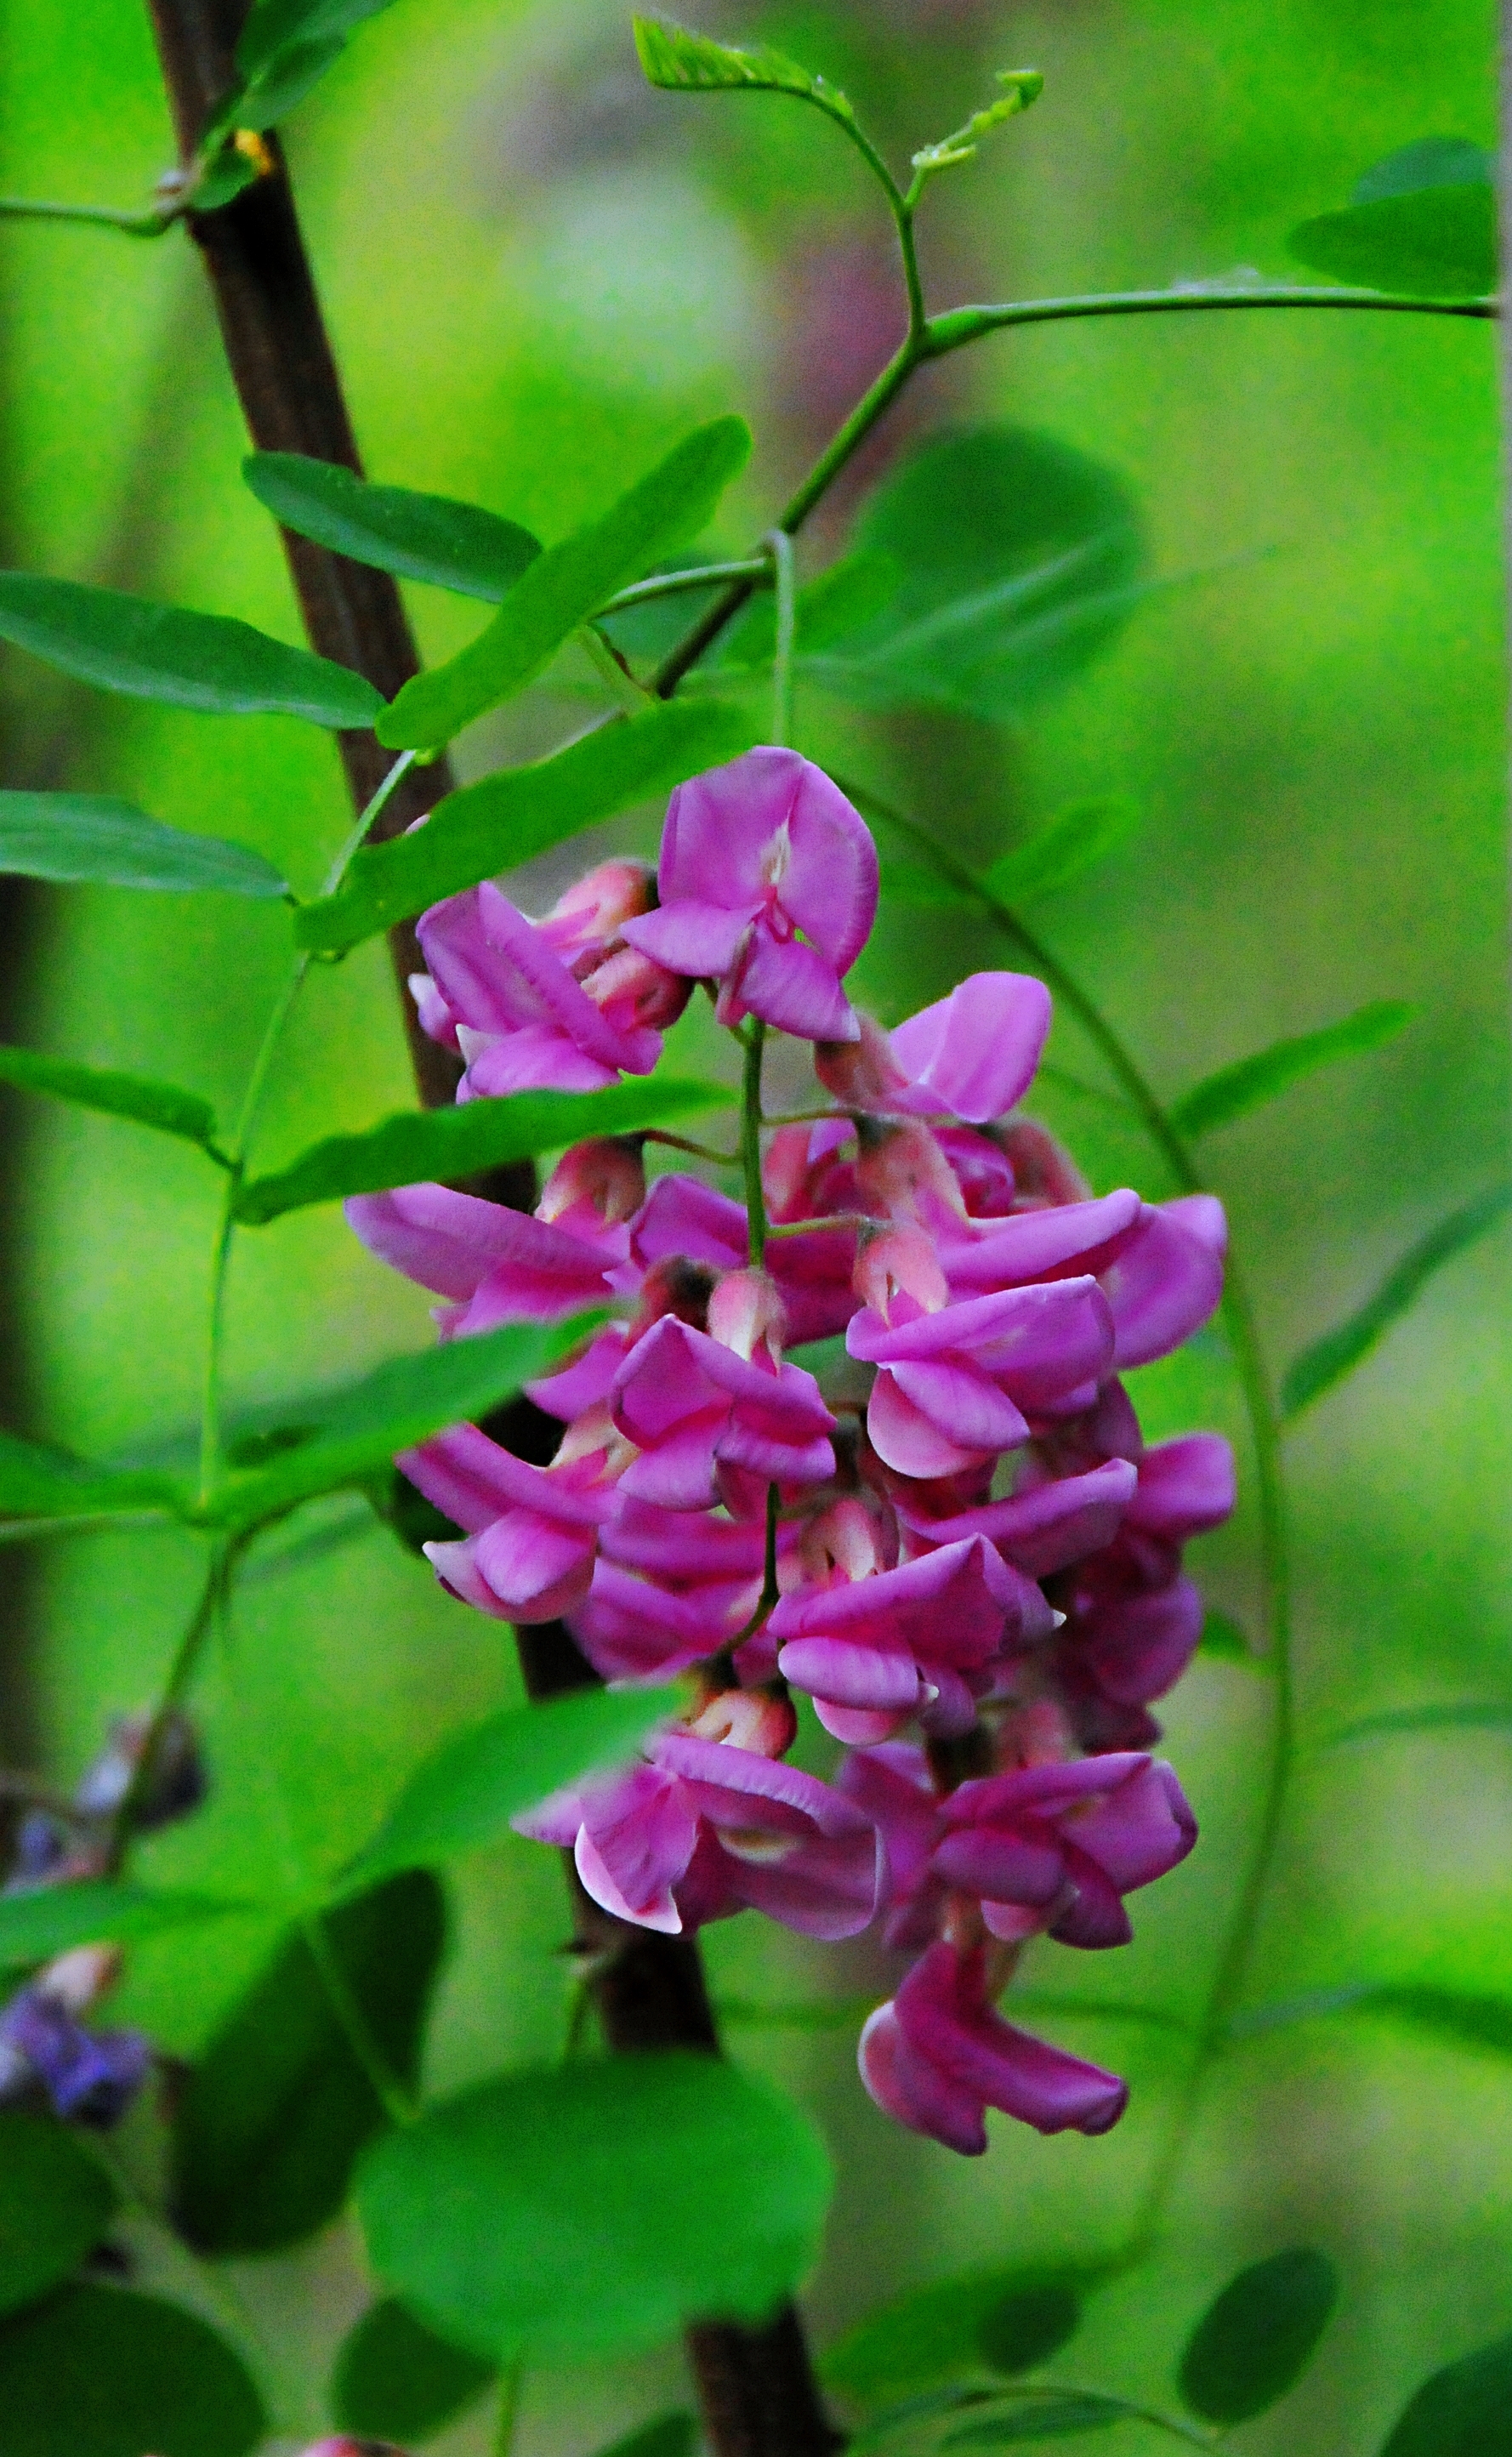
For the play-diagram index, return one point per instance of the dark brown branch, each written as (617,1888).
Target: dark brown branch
(756,2388)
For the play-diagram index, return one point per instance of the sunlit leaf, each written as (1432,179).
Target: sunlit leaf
(396,2380)
(1028,2326)
(37,1482)
(1021,558)
(56,2205)
(1256,2339)
(334,1438)
(92,838)
(209,662)
(466,1794)
(1466,2410)
(568,583)
(49,1919)
(420,1145)
(1045,2418)
(1069,845)
(224,179)
(284,49)
(1340,1350)
(1234,1091)
(680,62)
(279,2105)
(150,1104)
(95,2371)
(508,818)
(1422,221)
(420,537)
(555,2215)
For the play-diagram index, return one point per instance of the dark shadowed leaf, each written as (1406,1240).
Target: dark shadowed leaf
(561,2214)
(56,2205)
(933,2334)
(1020,558)
(1454,2017)
(1222,1637)
(671,2435)
(568,583)
(163,1105)
(88,838)
(420,537)
(334,1438)
(1234,1091)
(97,2372)
(508,818)
(36,1925)
(680,62)
(1466,2410)
(829,608)
(1030,2325)
(466,1794)
(421,1146)
(396,2380)
(1340,1350)
(284,49)
(1256,2339)
(1073,842)
(39,1482)
(279,2105)
(1423,221)
(209,662)
(1045,2418)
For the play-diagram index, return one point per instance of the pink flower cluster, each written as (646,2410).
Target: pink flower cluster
(971,1544)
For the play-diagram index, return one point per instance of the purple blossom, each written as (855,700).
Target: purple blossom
(971,1055)
(532,1532)
(708,1421)
(768,885)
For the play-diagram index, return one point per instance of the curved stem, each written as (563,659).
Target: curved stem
(151,224)
(960,325)
(755,567)
(1233,1955)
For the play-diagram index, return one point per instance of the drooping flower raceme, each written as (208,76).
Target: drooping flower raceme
(952,1529)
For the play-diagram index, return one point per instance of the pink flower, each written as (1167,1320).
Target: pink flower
(971,1055)
(1039,1529)
(939,2056)
(703,1827)
(720,1416)
(496,1264)
(670,1587)
(560,1005)
(753,856)
(532,1532)
(683,1217)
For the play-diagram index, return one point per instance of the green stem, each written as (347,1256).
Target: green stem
(751,1137)
(176,1688)
(959,326)
(510,2380)
(781,547)
(151,224)
(755,567)
(1233,1955)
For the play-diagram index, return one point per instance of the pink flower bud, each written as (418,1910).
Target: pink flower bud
(606,1177)
(757,1720)
(594,910)
(1043,1172)
(861,1074)
(746,1313)
(900,1263)
(633,992)
(903,1174)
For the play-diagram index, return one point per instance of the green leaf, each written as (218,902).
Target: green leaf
(209,662)
(1223,1638)
(1423,221)
(1072,843)
(508,818)
(466,1794)
(1256,2339)
(98,2372)
(1466,2410)
(1453,1715)
(1340,1350)
(284,49)
(1046,2418)
(37,1482)
(914,882)
(55,2203)
(568,583)
(680,62)
(335,1437)
(163,1105)
(934,2333)
(92,838)
(420,537)
(396,2380)
(49,1919)
(828,610)
(224,179)
(1450,2015)
(421,1146)
(671,2435)
(1021,558)
(556,2214)
(1022,87)
(1028,2326)
(1234,1091)
(269,2127)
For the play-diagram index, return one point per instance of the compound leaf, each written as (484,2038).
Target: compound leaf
(95,2371)
(419,537)
(1340,1350)
(93,839)
(209,662)
(681,62)
(1234,1091)
(1256,2339)
(1045,2418)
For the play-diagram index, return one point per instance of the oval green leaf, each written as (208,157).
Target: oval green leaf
(1028,2326)
(1256,2339)
(137,1097)
(37,1482)
(278,2107)
(556,2214)
(424,1145)
(508,818)
(92,840)
(669,2435)
(56,2205)
(466,1794)
(680,62)
(1340,1350)
(36,1925)
(1422,221)
(208,662)
(396,2380)
(98,2372)
(568,584)
(1234,1091)
(1055,2417)
(1466,2410)
(419,537)
(930,2335)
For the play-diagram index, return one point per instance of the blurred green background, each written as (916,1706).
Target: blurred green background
(537,274)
